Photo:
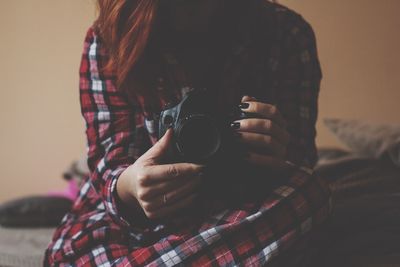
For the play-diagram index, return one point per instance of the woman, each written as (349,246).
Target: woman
(138,208)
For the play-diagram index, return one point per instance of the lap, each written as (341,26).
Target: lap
(250,232)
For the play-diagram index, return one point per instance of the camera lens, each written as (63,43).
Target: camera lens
(198,138)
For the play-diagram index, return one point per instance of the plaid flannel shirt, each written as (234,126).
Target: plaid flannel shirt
(283,67)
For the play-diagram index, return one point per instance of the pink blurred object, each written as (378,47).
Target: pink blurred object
(73,175)
(71,192)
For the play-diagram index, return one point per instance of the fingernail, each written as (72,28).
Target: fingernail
(244,105)
(235,125)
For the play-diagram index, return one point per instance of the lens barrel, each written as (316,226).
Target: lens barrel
(198,138)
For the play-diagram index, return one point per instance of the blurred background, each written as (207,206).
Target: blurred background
(42,130)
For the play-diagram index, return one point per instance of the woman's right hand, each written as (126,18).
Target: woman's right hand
(160,189)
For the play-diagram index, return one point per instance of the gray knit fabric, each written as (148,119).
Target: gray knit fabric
(366,139)
(23,247)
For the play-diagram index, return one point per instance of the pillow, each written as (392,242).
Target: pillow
(367,139)
(34,211)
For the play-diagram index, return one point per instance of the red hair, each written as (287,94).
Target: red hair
(124,27)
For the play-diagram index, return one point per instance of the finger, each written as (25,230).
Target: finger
(169,197)
(149,191)
(264,144)
(266,111)
(159,149)
(248,98)
(267,161)
(157,189)
(167,172)
(263,126)
(169,210)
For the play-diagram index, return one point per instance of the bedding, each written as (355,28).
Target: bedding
(366,139)
(23,247)
(365,227)
(34,211)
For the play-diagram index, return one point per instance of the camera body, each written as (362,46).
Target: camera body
(200,134)
(203,136)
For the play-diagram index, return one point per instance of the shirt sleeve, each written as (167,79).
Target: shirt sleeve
(110,123)
(299,89)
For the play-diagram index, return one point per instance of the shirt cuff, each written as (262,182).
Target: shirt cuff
(112,202)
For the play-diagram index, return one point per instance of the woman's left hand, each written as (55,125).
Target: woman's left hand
(265,137)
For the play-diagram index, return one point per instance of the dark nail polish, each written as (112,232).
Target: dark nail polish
(244,105)
(235,125)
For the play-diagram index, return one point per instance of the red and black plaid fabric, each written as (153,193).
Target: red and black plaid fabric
(277,62)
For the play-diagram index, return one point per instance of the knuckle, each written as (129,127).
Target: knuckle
(260,124)
(142,178)
(173,171)
(139,194)
(268,124)
(244,124)
(142,194)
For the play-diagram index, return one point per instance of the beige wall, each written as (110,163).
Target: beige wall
(41,127)
(359,49)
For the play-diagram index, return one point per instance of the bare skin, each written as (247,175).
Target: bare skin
(160,189)
(164,189)
(266,138)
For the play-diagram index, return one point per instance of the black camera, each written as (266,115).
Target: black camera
(201,135)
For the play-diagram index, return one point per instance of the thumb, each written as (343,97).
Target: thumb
(159,149)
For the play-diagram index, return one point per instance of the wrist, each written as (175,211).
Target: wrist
(127,205)
(125,190)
